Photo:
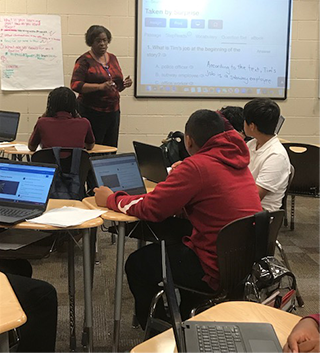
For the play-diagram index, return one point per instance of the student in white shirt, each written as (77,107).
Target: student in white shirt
(269,161)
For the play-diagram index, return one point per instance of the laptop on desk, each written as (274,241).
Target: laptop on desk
(120,172)
(151,161)
(213,336)
(24,190)
(9,122)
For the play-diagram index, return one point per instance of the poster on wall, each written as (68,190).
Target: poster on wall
(30,52)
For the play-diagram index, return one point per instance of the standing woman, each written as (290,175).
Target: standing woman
(98,79)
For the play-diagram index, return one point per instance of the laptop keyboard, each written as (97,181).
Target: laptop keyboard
(219,339)
(13,212)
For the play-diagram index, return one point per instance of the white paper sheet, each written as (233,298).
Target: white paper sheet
(66,216)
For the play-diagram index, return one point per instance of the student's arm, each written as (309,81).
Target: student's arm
(262,192)
(35,138)
(167,199)
(304,336)
(89,140)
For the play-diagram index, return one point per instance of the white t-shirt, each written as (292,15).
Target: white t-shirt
(270,167)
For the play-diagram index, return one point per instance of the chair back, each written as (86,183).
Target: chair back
(284,199)
(47,156)
(237,246)
(305,160)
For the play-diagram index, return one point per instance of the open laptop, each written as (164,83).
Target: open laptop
(9,122)
(24,190)
(211,336)
(120,172)
(279,124)
(151,161)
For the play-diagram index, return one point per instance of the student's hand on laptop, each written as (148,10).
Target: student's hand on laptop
(101,195)
(175,165)
(304,337)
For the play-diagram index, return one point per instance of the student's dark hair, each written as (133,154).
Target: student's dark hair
(62,99)
(203,124)
(235,116)
(94,31)
(264,113)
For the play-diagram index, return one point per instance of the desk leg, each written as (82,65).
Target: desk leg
(71,285)
(4,342)
(118,289)
(87,288)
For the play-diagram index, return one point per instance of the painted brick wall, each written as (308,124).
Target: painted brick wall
(150,120)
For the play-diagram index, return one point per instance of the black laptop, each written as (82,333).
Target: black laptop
(213,336)
(24,190)
(120,172)
(151,161)
(9,122)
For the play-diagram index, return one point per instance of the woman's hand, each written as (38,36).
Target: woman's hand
(127,82)
(107,86)
(101,195)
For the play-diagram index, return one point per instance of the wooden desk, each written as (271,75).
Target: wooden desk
(87,276)
(11,313)
(282,322)
(13,152)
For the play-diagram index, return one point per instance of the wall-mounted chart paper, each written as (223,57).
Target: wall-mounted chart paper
(30,52)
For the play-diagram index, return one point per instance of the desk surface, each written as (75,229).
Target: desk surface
(11,313)
(96,149)
(57,204)
(282,322)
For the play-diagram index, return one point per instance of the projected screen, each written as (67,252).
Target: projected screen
(212,48)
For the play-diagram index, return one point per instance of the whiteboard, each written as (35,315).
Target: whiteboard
(30,52)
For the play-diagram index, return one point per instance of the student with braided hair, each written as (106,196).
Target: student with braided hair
(61,125)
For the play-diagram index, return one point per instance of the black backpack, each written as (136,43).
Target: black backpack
(67,185)
(173,148)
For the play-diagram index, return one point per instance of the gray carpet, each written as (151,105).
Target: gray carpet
(301,246)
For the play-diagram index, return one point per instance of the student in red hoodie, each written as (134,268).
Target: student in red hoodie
(214,187)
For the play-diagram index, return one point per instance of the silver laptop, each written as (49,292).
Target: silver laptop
(9,122)
(151,161)
(120,172)
(213,336)
(279,124)
(24,190)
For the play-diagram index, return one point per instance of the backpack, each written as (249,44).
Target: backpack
(67,185)
(173,148)
(271,283)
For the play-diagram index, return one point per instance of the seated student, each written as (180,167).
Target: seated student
(235,116)
(213,186)
(61,125)
(269,161)
(38,300)
(304,336)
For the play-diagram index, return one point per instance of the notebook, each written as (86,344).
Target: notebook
(213,336)
(151,161)
(279,124)
(9,122)
(24,190)
(120,172)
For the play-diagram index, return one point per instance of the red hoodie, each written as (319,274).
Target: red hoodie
(214,186)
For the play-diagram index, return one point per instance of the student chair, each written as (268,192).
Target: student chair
(305,159)
(239,244)
(285,197)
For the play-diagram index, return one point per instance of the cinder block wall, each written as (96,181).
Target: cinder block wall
(150,120)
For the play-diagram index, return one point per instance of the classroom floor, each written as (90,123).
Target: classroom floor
(301,246)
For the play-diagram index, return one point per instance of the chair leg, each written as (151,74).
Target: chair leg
(285,260)
(285,219)
(292,212)
(153,306)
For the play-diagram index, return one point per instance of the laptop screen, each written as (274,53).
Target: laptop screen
(25,183)
(119,172)
(9,122)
